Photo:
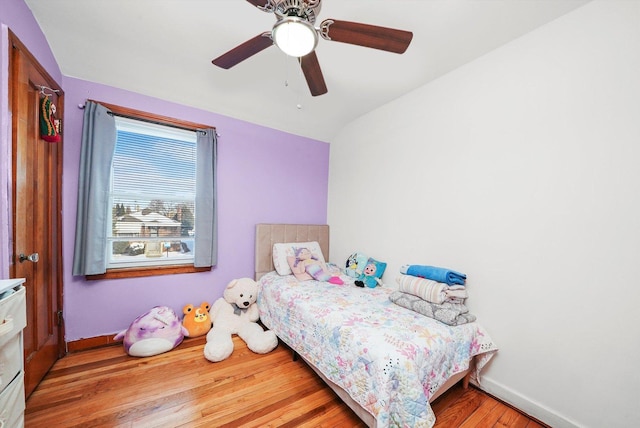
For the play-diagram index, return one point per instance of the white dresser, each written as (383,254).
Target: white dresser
(13,318)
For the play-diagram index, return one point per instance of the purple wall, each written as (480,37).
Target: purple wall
(264,175)
(17,17)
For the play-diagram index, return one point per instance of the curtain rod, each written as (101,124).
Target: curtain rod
(155,122)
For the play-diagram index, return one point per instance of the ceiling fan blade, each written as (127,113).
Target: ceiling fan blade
(244,51)
(370,36)
(313,74)
(259,3)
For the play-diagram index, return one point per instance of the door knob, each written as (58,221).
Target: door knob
(31,257)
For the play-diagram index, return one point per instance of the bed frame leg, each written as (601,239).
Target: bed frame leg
(465,380)
(295,356)
(467,377)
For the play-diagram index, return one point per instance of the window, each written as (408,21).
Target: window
(152,195)
(146,195)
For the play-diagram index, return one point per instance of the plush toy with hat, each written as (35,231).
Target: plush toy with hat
(196,320)
(236,312)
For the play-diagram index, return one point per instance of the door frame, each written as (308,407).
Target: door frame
(15,43)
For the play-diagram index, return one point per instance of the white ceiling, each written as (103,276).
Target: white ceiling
(164,48)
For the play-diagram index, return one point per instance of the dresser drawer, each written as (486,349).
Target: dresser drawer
(12,403)
(13,315)
(10,361)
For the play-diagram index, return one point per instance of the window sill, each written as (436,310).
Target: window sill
(147,271)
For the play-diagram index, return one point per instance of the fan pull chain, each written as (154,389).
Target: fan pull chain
(286,83)
(287,65)
(301,78)
(285,60)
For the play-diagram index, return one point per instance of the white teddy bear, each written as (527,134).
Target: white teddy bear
(236,313)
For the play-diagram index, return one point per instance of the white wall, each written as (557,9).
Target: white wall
(521,169)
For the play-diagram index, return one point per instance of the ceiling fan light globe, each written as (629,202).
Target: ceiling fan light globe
(294,36)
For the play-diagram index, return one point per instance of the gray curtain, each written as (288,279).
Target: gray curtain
(98,145)
(206,237)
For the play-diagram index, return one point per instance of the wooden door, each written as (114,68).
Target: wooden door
(36,203)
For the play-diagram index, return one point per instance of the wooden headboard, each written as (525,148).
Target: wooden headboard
(269,234)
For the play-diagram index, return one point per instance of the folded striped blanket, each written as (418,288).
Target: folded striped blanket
(448,313)
(456,292)
(439,274)
(430,290)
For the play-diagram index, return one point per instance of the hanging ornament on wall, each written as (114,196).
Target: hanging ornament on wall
(49,125)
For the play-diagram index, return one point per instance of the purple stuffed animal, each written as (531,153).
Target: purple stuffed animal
(157,331)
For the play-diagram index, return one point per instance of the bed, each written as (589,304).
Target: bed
(385,362)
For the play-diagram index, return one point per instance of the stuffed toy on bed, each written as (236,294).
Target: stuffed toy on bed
(371,274)
(305,265)
(236,312)
(355,264)
(154,332)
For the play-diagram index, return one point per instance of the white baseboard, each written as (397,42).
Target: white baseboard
(526,405)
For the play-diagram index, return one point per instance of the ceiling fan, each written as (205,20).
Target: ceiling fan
(295,34)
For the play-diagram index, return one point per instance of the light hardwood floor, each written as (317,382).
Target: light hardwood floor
(106,388)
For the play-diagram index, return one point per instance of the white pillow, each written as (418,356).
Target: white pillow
(283,250)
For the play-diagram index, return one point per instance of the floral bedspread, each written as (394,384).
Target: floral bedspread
(389,359)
